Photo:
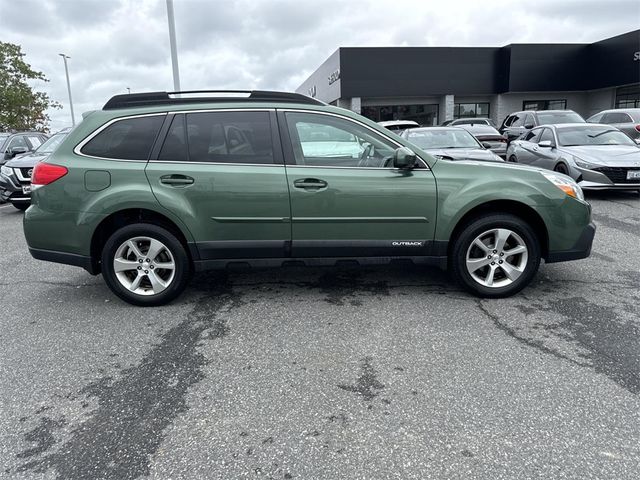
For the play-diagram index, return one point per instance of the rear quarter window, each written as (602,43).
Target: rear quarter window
(129,139)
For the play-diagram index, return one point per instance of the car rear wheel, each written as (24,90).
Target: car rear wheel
(495,256)
(145,265)
(513,159)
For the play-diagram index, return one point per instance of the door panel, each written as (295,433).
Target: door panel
(234,209)
(344,201)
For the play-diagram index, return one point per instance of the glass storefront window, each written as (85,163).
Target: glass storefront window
(544,105)
(426,115)
(628,97)
(470,110)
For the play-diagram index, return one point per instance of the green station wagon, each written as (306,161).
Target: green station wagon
(156,186)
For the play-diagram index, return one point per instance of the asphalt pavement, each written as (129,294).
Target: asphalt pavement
(325,373)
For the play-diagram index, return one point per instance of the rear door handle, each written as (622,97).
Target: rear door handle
(310,183)
(176,180)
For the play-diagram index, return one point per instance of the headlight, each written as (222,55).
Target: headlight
(6,170)
(564,183)
(583,164)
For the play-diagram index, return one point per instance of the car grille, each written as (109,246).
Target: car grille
(24,174)
(618,174)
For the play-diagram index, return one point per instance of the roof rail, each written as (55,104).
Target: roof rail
(132,100)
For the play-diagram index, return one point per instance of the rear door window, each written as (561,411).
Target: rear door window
(230,137)
(129,139)
(174,147)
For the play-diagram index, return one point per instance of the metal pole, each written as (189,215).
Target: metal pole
(174,49)
(66,71)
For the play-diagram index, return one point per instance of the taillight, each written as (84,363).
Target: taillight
(46,173)
(638,127)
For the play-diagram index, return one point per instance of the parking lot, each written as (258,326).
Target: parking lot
(386,372)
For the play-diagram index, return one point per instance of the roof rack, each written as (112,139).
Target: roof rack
(131,100)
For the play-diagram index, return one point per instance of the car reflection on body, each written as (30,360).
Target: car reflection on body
(598,157)
(450,143)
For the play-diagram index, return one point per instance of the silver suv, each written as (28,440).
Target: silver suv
(625,119)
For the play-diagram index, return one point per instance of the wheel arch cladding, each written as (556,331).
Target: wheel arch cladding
(130,216)
(512,207)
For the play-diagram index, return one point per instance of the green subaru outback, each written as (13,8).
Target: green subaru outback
(156,186)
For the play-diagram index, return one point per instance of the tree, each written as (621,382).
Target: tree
(21,108)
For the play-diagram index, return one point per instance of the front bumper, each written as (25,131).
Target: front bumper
(581,249)
(605,178)
(11,190)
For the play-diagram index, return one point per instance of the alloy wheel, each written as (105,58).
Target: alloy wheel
(497,258)
(144,265)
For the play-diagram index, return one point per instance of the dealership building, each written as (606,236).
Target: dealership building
(434,84)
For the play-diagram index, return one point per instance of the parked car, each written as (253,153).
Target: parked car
(626,120)
(596,156)
(519,123)
(398,126)
(488,136)
(469,121)
(143,192)
(12,144)
(451,143)
(15,175)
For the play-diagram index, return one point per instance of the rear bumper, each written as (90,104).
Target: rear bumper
(65,258)
(582,248)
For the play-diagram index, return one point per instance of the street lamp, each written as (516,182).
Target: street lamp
(174,49)
(66,71)
(128,90)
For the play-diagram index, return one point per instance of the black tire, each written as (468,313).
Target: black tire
(181,260)
(513,159)
(21,206)
(561,168)
(476,227)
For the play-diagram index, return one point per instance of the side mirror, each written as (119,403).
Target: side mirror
(529,126)
(546,144)
(486,145)
(17,151)
(404,158)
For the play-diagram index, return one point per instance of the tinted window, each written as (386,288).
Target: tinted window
(323,140)
(230,137)
(129,139)
(175,146)
(616,117)
(554,118)
(547,135)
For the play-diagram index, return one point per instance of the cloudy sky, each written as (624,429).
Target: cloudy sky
(267,44)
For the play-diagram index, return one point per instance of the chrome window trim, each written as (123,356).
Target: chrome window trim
(349,119)
(237,164)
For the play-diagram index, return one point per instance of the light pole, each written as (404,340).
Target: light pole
(128,90)
(174,49)
(66,71)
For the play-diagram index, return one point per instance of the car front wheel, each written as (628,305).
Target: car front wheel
(145,265)
(495,255)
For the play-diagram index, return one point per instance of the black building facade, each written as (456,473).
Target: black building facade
(434,84)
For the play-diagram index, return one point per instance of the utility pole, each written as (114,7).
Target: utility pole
(174,49)
(66,71)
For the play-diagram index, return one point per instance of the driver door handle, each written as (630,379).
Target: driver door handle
(310,183)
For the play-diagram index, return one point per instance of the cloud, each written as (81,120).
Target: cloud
(267,44)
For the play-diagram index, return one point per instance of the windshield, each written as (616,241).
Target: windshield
(554,118)
(50,145)
(3,138)
(596,135)
(429,139)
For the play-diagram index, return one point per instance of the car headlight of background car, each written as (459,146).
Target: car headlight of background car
(4,170)
(583,164)
(564,183)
